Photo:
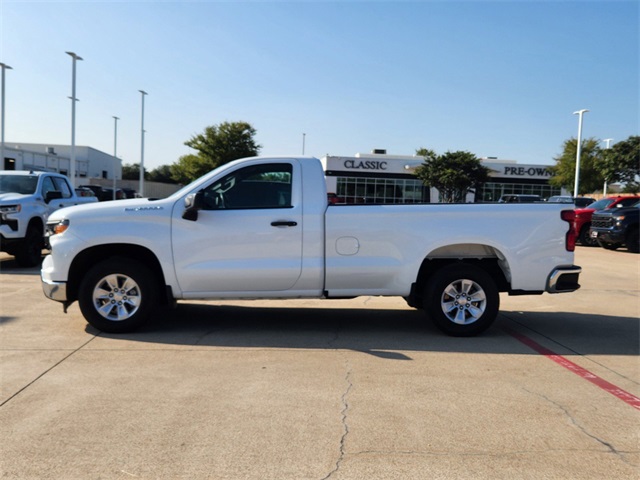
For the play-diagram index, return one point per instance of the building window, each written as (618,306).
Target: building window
(363,190)
(492,191)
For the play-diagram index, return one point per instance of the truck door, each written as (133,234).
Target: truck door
(248,235)
(56,184)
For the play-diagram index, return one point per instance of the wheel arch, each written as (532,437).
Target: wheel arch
(93,255)
(485,257)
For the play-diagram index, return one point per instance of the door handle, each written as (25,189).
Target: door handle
(284,223)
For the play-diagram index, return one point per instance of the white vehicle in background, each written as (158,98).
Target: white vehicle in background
(27,199)
(263,228)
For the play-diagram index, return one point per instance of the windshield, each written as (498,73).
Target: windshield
(23,184)
(601,204)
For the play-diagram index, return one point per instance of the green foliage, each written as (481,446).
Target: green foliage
(564,171)
(217,145)
(161,174)
(454,174)
(621,163)
(132,172)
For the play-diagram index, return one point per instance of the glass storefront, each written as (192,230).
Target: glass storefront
(492,191)
(367,190)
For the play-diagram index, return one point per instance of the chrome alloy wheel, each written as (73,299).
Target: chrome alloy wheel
(116,297)
(463,301)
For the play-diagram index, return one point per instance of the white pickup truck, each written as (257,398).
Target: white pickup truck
(262,228)
(27,199)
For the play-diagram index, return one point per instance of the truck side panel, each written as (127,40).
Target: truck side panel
(379,249)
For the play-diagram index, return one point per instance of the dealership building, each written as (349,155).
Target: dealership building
(381,178)
(90,163)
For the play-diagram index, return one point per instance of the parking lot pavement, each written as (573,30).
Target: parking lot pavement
(306,389)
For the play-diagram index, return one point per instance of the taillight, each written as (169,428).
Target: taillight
(570,239)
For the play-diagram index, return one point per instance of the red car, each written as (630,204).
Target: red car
(583,216)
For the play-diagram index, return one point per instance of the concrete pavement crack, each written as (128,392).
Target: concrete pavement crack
(48,370)
(581,428)
(345,424)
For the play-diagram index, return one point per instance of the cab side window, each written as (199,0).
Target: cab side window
(47,186)
(253,187)
(62,186)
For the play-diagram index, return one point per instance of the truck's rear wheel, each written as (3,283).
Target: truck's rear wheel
(462,300)
(118,295)
(29,252)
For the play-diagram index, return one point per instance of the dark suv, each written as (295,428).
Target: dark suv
(582,222)
(616,227)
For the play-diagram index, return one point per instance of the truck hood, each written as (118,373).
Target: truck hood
(111,208)
(614,212)
(13,197)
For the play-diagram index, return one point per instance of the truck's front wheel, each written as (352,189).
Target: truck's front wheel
(462,300)
(117,295)
(29,252)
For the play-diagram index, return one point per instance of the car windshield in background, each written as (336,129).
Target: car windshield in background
(601,204)
(560,199)
(22,184)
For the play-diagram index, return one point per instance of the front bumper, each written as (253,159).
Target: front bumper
(54,290)
(607,235)
(564,279)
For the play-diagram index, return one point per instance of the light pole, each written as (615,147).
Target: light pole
(141,188)
(4,67)
(577,182)
(604,189)
(72,167)
(115,150)
(304,135)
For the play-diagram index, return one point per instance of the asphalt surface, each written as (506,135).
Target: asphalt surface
(357,389)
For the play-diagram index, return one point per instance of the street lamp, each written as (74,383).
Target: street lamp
(604,189)
(4,67)
(304,135)
(141,188)
(73,98)
(577,182)
(115,150)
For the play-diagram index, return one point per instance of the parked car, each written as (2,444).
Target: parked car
(96,189)
(579,202)
(84,192)
(27,198)
(583,216)
(616,227)
(105,194)
(108,194)
(518,198)
(129,193)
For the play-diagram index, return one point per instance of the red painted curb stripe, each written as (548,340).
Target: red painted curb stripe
(578,370)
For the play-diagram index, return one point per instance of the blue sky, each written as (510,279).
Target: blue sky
(496,78)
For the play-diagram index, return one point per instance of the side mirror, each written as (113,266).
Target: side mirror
(192,204)
(52,195)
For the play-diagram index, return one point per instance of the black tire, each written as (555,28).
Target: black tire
(609,245)
(29,252)
(585,237)
(118,295)
(633,240)
(470,314)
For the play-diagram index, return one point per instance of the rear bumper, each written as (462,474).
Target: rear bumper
(564,279)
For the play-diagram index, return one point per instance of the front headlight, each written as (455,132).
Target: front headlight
(9,209)
(55,228)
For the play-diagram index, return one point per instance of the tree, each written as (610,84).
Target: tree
(454,174)
(161,174)
(621,163)
(564,171)
(189,167)
(132,172)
